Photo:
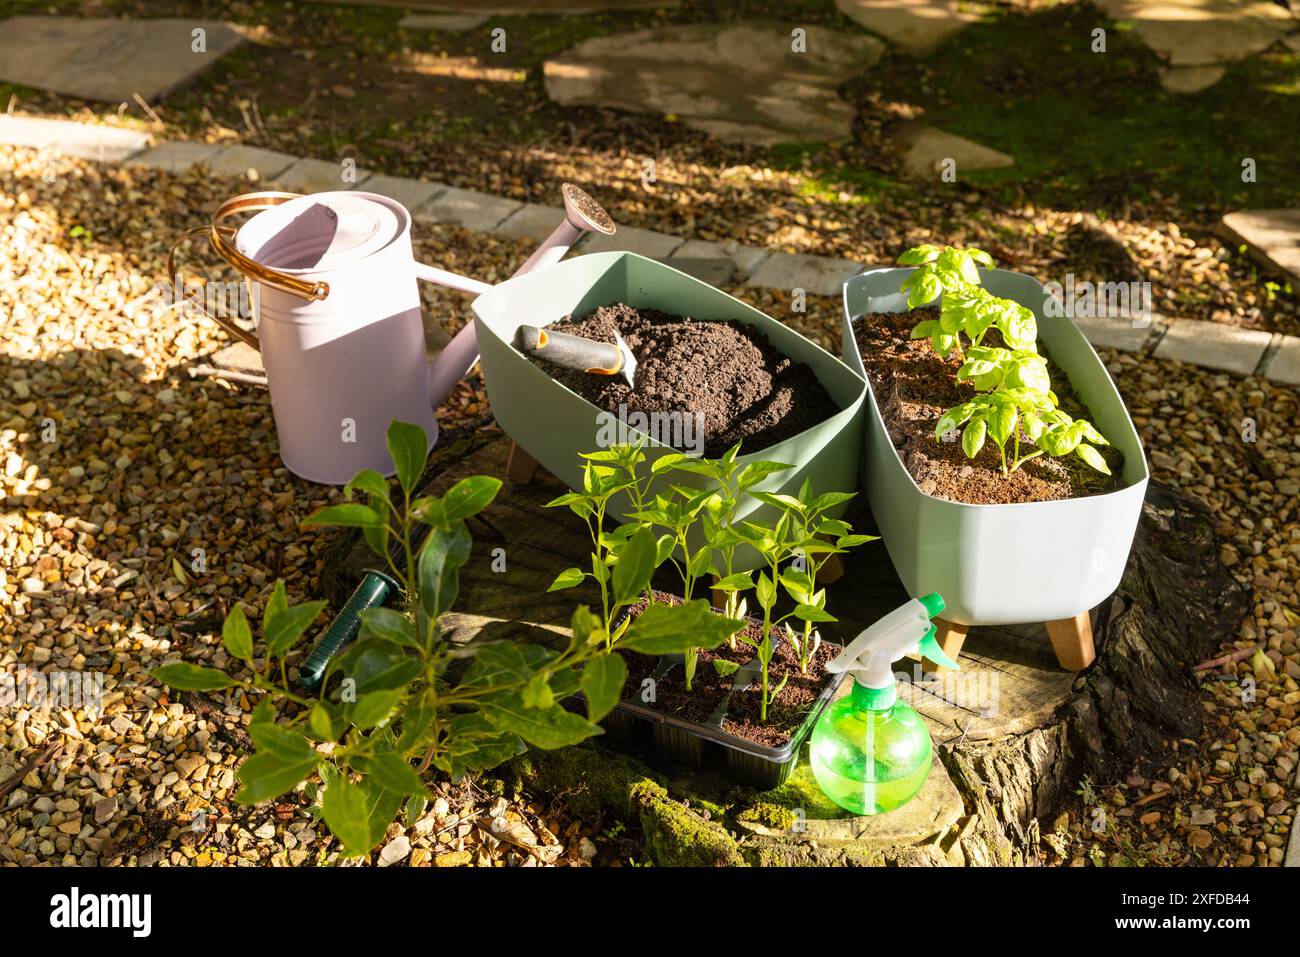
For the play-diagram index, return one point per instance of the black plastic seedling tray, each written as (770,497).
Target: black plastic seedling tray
(705,743)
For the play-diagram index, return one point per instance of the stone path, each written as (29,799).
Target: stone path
(110,60)
(1198,32)
(1272,235)
(925,149)
(449,22)
(1207,344)
(690,71)
(917,26)
(1197,37)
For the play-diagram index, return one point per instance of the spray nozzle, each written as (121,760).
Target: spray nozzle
(905,630)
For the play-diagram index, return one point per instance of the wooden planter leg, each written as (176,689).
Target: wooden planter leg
(521,467)
(951,636)
(1072,641)
(832,571)
(719,598)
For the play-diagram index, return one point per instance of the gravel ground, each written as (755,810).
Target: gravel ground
(1227,799)
(118,464)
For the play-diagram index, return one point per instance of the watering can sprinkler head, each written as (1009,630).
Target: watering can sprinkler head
(582,214)
(585,213)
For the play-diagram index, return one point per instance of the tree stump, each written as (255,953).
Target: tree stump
(1014,733)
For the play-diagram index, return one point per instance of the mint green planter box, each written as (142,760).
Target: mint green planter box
(554,424)
(1003,564)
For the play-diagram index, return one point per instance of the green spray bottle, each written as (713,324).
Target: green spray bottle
(870,751)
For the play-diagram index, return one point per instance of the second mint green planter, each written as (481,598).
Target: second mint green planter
(555,425)
(1003,564)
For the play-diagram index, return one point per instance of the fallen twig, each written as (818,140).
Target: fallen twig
(1226,659)
(32,764)
(212,372)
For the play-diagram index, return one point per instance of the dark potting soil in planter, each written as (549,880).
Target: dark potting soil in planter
(914,386)
(784,715)
(787,712)
(742,385)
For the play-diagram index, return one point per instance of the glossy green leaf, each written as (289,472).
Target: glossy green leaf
(537,692)
(470,496)
(972,439)
(374,707)
(569,578)
(671,629)
(284,626)
(392,772)
(359,814)
(602,684)
(390,625)
(236,635)
(443,554)
(1092,457)
(346,515)
(635,566)
(813,613)
(408,444)
(282,760)
(546,728)
(368,481)
(187,677)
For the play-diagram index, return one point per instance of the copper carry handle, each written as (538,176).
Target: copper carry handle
(221,238)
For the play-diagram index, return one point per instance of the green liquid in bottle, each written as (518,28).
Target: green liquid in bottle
(870,761)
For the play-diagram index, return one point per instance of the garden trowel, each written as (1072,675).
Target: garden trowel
(575,352)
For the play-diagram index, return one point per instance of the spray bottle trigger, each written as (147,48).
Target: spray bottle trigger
(931,649)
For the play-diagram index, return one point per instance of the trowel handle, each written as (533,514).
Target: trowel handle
(572,352)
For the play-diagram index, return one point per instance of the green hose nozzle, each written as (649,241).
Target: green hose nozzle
(371,593)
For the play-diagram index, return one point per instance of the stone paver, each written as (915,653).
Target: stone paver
(470,209)
(414,194)
(925,148)
(252,163)
(1214,345)
(108,144)
(817,275)
(691,71)
(1192,32)
(110,60)
(447,22)
(746,258)
(175,156)
(1284,367)
(1118,334)
(1190,79)
(319,176)
(915,25)
(531,221)
(1272,235)
(716,272)
(644,242)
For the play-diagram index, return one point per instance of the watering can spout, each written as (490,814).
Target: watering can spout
(452,364)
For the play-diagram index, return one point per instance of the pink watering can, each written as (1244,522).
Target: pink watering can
(333,284)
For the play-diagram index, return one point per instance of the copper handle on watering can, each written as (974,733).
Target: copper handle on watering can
(221,239)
